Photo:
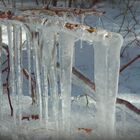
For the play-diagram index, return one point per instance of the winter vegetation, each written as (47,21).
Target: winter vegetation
(69,69)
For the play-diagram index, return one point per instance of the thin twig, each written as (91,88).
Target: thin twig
(128,105)
(83,78)
(129,63)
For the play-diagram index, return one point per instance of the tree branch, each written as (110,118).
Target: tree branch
(92,86)
(129,63)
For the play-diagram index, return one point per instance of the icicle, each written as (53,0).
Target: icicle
(45,60)
(37,70)
(45,90)
(12,66)
(50,74)
(18,43)
(1,83)
(99,22)
(82,22)
(53,83)
(106,80)
(66,52)
(100,80)
(82,19)
(29,46)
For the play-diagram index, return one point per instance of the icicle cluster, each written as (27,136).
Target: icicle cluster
(48,72)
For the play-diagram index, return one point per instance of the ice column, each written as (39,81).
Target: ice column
(107,64)
(66,56)
(18,56)
(49,66)
(45,60)
(29,46)
(1,87)
(12,65)
(37,71)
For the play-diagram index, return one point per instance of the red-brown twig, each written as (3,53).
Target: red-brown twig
(128,105)
(83,78)
(129,63)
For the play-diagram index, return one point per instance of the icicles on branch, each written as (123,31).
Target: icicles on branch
(18,64)
(46,55)
(1,83)
(66,53)
(11,74)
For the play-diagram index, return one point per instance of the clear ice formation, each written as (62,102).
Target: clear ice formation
(49,58)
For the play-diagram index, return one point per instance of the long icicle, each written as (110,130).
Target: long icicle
(18,40)
(11,65)
(29,46)
(37,68)
(1,87)
(66,52)
(45,65)
(53,81)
